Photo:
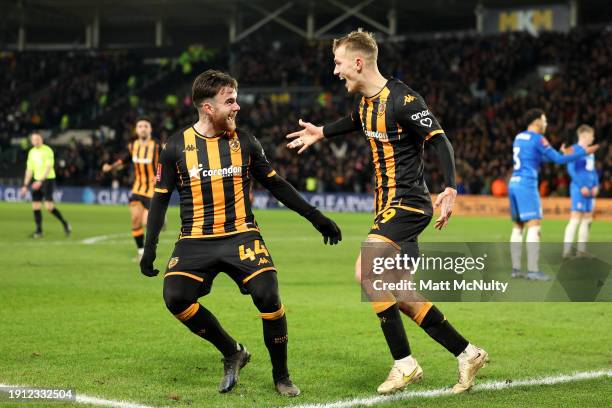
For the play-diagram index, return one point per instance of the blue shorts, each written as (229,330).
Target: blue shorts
(525,202)
(581,203)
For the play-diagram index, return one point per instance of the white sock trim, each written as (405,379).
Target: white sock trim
(469,352)
(405,360)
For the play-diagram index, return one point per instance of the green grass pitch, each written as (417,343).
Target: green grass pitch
(81,316)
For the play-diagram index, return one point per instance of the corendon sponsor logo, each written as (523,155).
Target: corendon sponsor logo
(382,136)
(199,172)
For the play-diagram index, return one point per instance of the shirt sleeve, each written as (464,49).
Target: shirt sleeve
(551,155)
(414,116)
(126,157)
(260,166)
(156,155)
(49,158)
(30,162)
(166,172)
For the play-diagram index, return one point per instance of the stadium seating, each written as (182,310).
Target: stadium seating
(477,92)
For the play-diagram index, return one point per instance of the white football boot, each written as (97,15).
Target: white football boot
(402,373)
(470,361)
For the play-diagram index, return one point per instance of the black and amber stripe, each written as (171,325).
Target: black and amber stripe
(215,205)
(376,118)
(146,156)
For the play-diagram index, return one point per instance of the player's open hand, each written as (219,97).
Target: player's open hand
(306,137)
(566,150)
(146,262)
(592,149)
(327,227)
(106,168)
(445,202)
(585,192)
(594,191)
(36,185)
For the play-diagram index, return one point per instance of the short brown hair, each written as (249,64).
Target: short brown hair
(584,128)
(209,83)
(358,41)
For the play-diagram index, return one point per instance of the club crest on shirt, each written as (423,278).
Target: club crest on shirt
(234,144)
(382,107)
(173,262)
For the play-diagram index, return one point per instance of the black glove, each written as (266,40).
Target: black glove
(325,226)
(146,262)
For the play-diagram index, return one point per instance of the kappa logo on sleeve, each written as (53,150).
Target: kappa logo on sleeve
(408,99)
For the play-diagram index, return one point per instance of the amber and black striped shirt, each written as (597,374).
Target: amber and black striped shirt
(144,157)
(397,122)
(213,179)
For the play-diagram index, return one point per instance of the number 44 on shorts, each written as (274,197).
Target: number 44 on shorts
(251,254)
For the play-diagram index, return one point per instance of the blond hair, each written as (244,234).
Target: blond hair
(585,129)
(359,40)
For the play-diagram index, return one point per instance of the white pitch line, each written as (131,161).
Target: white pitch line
(96,239)
(439,392)
(86,399)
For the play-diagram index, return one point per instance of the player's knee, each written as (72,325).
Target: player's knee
(136,222)
(266,302)
(175,299)
(264,292)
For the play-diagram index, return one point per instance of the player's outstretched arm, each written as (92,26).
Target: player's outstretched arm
(446,199)
(165,182)
(311,134)
(292,199)
(558,158)
(289,196)
(155,222)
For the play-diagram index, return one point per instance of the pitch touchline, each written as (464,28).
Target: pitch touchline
(94,240)
(369,401)
(439,392)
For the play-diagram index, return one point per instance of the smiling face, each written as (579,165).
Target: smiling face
(586,137)
(222,109)
(347,66)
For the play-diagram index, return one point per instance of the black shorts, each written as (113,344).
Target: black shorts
(399,225)
(242,256)
(45,192)
(137,198)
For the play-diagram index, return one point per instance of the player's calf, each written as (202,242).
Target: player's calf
(181,294)
(264,292)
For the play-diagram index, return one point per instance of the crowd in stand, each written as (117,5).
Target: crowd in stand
(478,87)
